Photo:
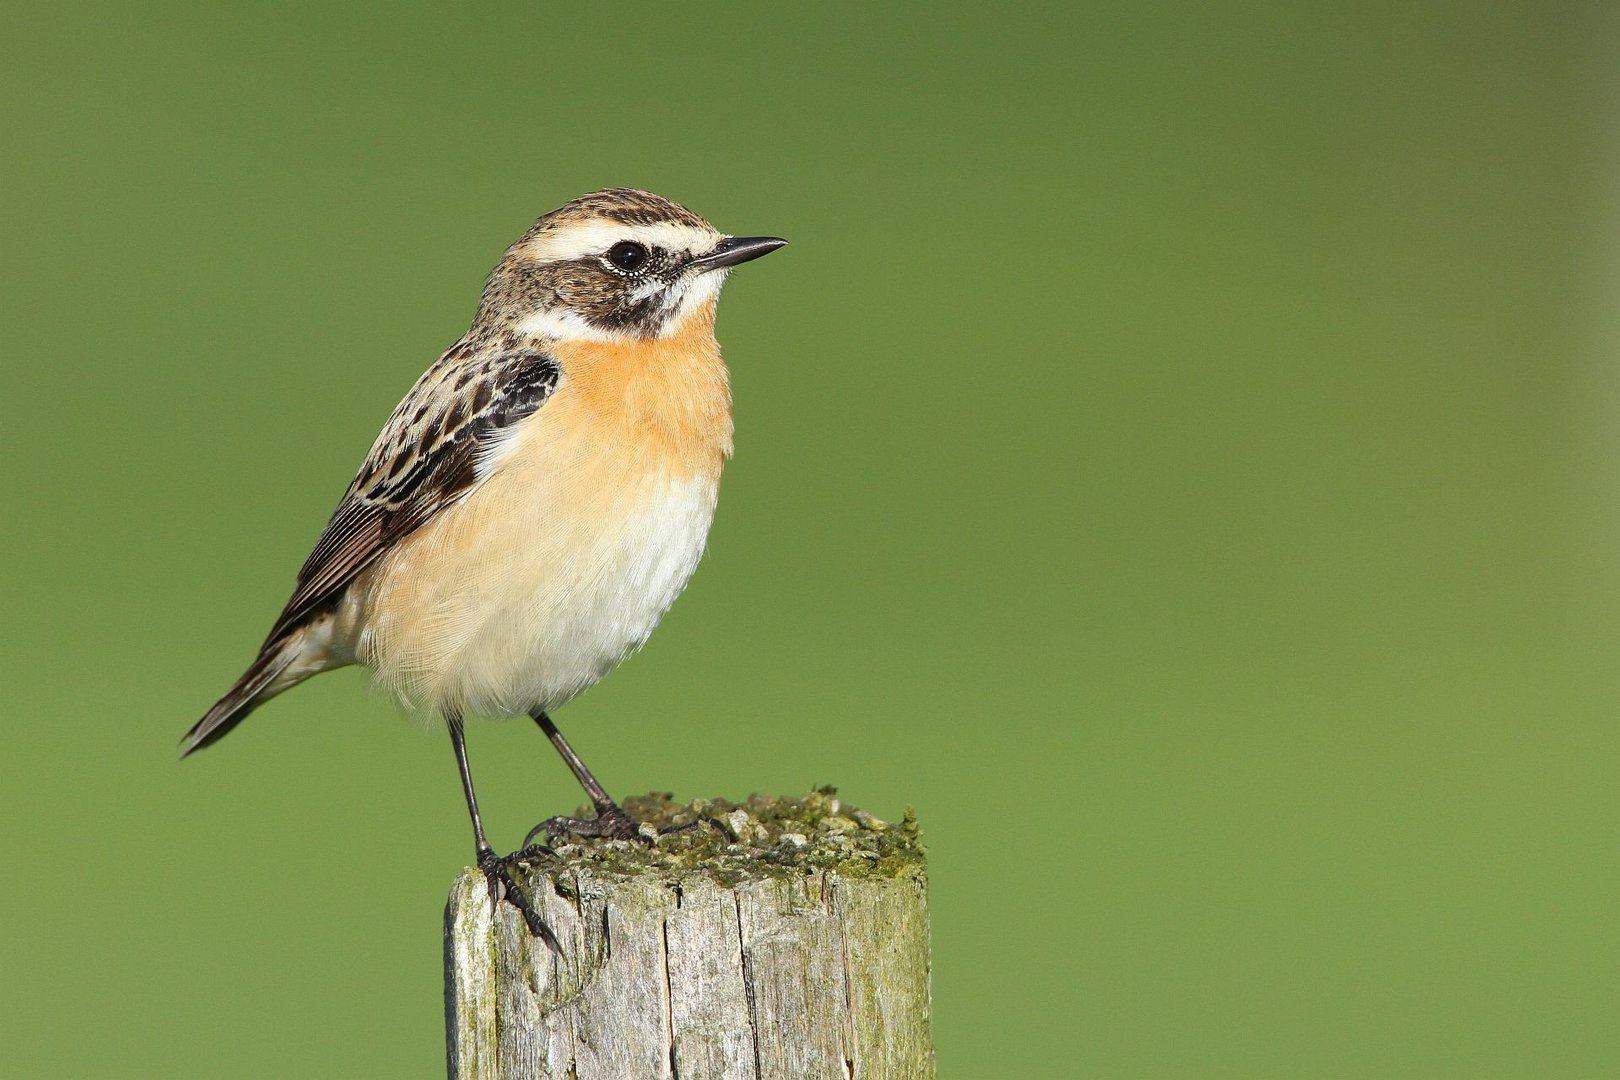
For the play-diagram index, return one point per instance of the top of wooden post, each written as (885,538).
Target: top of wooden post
(764,837)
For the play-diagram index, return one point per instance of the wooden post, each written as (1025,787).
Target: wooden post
(790,945)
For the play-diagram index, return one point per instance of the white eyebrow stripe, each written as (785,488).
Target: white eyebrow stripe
(595,237)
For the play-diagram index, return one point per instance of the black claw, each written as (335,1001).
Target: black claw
(714,823)
(503,886)
(530,852)
(671,830)
(720,827)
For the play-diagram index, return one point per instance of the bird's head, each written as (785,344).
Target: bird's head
(613,265)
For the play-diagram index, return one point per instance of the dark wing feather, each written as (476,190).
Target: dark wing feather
(426,459)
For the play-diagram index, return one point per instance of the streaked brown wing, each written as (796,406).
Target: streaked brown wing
(425,459)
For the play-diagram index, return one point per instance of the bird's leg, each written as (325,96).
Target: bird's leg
(610,820)
(497,869)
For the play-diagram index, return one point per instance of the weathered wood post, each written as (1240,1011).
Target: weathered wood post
(791,945)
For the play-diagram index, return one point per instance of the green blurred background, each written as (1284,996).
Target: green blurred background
(1179,455)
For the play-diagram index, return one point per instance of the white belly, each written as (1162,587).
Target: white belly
(530,591)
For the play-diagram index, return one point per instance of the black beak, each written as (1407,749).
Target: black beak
(736,249)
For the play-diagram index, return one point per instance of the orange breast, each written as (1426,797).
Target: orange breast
(670,397)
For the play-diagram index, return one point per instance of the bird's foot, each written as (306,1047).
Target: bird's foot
(503,886)
(610,823)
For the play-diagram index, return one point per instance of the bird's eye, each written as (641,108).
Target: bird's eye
(627,255)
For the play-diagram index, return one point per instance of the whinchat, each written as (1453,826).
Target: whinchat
(538,499)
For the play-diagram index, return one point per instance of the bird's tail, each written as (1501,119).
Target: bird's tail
(255,687)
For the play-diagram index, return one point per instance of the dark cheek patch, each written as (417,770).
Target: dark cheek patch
(643,317)
(589,290)
(599,296)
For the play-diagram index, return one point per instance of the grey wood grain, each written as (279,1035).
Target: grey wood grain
(791,946)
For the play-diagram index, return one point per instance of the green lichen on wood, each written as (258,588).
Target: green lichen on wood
(761,837)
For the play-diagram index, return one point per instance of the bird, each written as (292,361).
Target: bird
(537,500)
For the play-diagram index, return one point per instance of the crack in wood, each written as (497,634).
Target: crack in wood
(748,987)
